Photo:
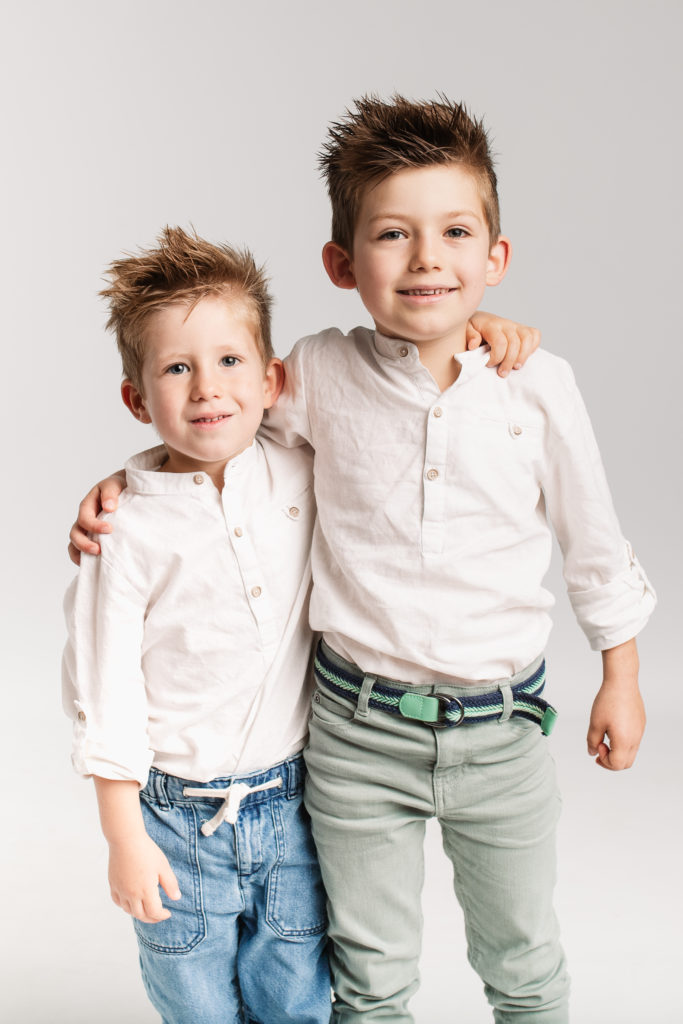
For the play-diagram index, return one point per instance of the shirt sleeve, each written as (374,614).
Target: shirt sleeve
(287,422)
(103,687)
(611,596)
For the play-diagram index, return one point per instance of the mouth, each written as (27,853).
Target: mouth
(428,292)
(207,420)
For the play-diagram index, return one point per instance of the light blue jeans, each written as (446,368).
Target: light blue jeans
(374,780)
(246,943)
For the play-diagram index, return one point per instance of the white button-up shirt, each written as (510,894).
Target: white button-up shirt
(188,637)
(432,537)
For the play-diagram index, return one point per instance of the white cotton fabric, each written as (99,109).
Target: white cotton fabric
(188,637)
(432,537)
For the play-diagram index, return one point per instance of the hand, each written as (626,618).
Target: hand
(511,343)
(136,869)
(103,496)
(618,713)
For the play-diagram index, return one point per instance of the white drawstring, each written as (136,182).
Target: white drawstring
(232,798)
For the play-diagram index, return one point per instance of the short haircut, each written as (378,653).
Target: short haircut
(182,270)
(379,138)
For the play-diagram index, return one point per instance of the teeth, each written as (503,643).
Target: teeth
(206,419)
(427,291)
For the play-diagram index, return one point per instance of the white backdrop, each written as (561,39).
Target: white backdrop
(120,118)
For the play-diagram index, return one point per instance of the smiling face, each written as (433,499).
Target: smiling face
(422,256)
(204,384)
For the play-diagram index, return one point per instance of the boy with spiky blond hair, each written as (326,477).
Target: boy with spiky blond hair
(185,673)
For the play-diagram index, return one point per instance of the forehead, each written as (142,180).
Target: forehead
(212,320)
(423,192)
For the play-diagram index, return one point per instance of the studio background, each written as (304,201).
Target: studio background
(121,118)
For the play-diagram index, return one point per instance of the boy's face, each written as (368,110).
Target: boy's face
(204,385)
(421,255)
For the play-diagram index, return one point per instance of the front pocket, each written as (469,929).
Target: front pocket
(295,899)
(175,831)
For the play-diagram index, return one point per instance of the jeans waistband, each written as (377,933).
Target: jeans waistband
(169,789)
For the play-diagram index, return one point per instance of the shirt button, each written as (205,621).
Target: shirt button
(255,591)
(516,430)
(438,412)
(432,474)
(81,716)
(403,351)
(198,478)
(238,531)
(294,511)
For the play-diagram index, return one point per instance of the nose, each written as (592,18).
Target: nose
(424,254)
(205,384)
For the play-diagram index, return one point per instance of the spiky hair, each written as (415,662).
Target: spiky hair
(183,269)
(379,138)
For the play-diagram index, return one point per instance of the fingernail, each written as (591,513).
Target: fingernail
(517,366)
(503,373)
(108,505)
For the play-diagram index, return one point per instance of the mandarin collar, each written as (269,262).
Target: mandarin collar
(144,476)
(406,352)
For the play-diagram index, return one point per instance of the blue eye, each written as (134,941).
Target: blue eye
(176,369)
(229,361)
(391,235)
(457,233)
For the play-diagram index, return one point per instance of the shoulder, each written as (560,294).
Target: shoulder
(330,345)
(288,469)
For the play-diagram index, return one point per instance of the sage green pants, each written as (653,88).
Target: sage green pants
(374,780)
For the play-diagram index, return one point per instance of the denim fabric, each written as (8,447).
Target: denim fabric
(246,943)
(374,780)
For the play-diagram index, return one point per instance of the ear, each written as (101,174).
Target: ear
(273,382)
(337,263)
(133,400)
(499,260)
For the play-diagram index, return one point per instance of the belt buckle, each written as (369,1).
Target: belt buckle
(446,702)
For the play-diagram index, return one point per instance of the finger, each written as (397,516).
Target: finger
(169,883)
(154,910)
(74,554)
(530,340)
(80,541)
(594,739)
(510,357)
(472,336)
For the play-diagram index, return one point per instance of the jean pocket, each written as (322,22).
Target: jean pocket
(175,831)
(295,900)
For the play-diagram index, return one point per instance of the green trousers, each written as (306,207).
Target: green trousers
(374,780)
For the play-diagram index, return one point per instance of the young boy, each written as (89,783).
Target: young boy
(432,479)
(185,671)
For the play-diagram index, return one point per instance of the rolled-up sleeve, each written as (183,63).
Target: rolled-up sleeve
(611,596)
(103,687)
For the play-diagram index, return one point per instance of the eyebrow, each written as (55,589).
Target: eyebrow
(450,215)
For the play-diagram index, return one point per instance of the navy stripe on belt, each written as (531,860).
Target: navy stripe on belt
(439,710)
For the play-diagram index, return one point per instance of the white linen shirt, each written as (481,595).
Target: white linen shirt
(188,636)
(432,540)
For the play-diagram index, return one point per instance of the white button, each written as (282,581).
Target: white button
(294,511)
(516,429)
(238,531)
(255,591)
(81,716)
(438,412)
(403,351)
(198,478)
(432,474)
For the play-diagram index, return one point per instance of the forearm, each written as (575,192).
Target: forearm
(119,807)
(620,666)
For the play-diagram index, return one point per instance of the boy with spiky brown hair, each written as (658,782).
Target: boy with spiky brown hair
(185,673)
(433,479)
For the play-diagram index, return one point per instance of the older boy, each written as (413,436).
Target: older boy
(188,650)
(433,479)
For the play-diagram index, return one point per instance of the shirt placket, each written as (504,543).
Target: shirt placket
(434,478)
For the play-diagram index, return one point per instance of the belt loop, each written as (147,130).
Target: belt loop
(158,780)
(506,693)
(362,709)
(295,775)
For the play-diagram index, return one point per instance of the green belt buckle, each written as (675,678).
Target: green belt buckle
(420,706)
(548,720)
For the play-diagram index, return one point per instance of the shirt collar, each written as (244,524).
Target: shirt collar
(406,352)
(144,476)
